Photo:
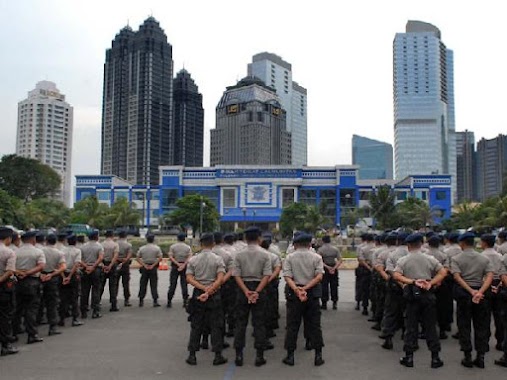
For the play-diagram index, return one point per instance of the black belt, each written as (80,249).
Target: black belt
(45,272)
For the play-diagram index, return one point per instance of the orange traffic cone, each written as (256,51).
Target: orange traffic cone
(163,265)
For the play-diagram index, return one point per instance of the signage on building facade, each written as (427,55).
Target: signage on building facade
(258,173)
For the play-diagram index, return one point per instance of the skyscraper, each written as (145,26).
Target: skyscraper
(250,127)
(277,73)
(424,137)
(188,121)
(465,164)
(137,109)
(45,123)
(491,167)
(375,158)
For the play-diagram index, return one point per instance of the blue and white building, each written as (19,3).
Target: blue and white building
(257,194)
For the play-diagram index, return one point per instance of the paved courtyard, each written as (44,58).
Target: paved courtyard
(150,343)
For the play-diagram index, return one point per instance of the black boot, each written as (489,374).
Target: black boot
(192,360)
(335,305)
(96,314)
(239,357)
(8,349)
(436,362)
(141,302)
(479,360)
(365,311)
(127,303)
(219,359)
(308,345)
(442,335)
(204,342)
(34,339)
(53,330)
(502,362)
(318,361)
(388,343)
(76,322)
(407,360)
(357,306)
(155,303)
(114,307)
(289,360)
(467,360)
(323,306)
(259,359)
(376,326)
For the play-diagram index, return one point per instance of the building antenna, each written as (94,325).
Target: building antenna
(128,23)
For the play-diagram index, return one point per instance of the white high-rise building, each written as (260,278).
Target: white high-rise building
(45,122)
(277,73)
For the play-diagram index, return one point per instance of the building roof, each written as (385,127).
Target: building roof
(414,26)
(265,56)
(248,89)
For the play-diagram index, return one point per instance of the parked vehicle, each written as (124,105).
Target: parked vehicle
(79,229)
(130,230)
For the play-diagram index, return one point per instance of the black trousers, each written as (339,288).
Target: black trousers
(380,295)
(151,276)
(330,285)
(394,309)
(497,306)
(503,313)
(364,286)
(479,315)
(69,298)
(6,311)
(112,278)
(421,309)
(272,314)
(124,274)
(243,311)
(173,278)
(373,291)
(206,316)
(445,303)
(308,312)
(91,283)
(28,295)
(51,299)
(228,296)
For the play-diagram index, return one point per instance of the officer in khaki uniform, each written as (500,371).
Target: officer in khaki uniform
(502,243)
(473,274)
(123,273)
(252,269)
(179,254)
(272,314)
(149,256)
(364,272)
(7,286)
(69,288)
(332,260)
(419,273)
(503,296)
(109,272)
(205,272)
(92,254)
(30,261)
(51,279)
(303,271)
(231,286)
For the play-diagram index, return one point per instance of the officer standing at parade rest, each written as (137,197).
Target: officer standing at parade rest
(7,287)
(303,271)
(109,273)
(364,272)
(179,254)
(30,261)
(252,269)
(92,254)
(503,290)
(205,272)
(332,260)
(419,273)
(272,315)
(502,243)
(473,274)
(124,258)
(69,288)
(149,257)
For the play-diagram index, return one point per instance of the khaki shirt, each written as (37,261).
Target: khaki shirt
(220,250)
(381,257)
(252,263)
(232,251)
(180,252)
(275,260)
(149,253)
(72,256)
(439,255)
(54,257)
(110,248)
(205,267)
(502,248)
(302,266)
(330,254)
(452,251)
(7,259)
(124,248)
(90,252)
(28,257)
(366,252)
(503,271)
(395,256)
(274,249)
(240,245)
(60,246)
(418,266)
(496,260)
(472,266)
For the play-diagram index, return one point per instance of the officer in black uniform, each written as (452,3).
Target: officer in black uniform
(7,285)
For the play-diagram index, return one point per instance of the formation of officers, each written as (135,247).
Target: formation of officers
(411,282)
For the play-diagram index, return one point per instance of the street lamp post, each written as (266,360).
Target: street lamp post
(244,217)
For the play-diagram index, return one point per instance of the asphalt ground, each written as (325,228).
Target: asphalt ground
(150,343)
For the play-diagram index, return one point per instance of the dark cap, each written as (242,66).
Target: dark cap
(252,233)
(181,236)
(414,238)
(207,238)
(466,236)
(434,241)
(72,239)
(489,239)
(109,233)
(29,234)
(453,237)
(402,236)
(430,234)
(5,233)
(229,238)
(503,235)
(93,235)
(122,234)
(62,235)
(303,238)
(391,237)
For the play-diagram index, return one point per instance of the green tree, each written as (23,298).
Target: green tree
(54,213)
(26,178)
(122,213)
(382,207)
(188,212)
(414,213)
(90,211)
(9,209)
(300,217)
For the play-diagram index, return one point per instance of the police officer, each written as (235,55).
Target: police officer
(69,287)
(503,296)
(252,269)
(332,260)
(359,274)
(40,240)
(62,240)
(179,254)
(205,272)
(230,283)
(419,273)
(92,254)
(272,314)
(7,285)
(149,257)
(81,240)
(502,243)
(50,279)
(123,273)
(109,272)
(364,271)
(240,244)
(473,274)
(303,272)
(30,261)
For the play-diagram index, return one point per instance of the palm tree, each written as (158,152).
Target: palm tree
(90,211)
(122,214)
(382,207)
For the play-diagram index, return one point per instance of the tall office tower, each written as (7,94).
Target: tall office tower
(137,124)
(277,73)
(491,167)
(465,163)
(375,158)
(424,130)
(45,123)
(250,127)
(188,121)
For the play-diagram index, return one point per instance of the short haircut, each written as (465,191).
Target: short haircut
(150,238)
(51,239)
(327,239)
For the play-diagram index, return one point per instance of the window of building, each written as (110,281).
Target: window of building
(441,195)
(121,194)
(229,197)
(364,195)
(169,198)
(401,195)
(250,116)
(327,203)
(422,195)
(104,195)
(308,197)
(288,197)
(260,117)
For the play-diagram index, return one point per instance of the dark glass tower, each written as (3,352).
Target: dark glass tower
(137,119)
(188,121)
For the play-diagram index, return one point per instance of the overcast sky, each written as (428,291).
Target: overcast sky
(340,51)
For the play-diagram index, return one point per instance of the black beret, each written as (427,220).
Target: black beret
(93,235)
(253,229)
(466,235)
(392,236)
(122,234)
(229,236)
(63,234)
(503,235)
(109,233)
(402,236)
(5,233)
(181,236)
(30,234)
(435,239)
(453,237)
(207,238)
(72,239)
(489,239)
(303,239)
(414,238)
